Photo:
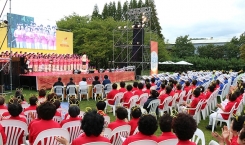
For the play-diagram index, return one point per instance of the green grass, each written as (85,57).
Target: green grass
(91,103)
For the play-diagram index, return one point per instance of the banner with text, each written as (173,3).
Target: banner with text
(154,57)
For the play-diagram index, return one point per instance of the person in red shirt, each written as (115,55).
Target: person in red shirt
(193,86)
(2,103)
(228,107)
(135,86)
(34,119)
(148,89)
(101,107)
(162,89)
(209,92)
(73,111)
(165,123)
(187,87)
(2,133)
(112,94)
(202,96)
(122,87)
(46,113)
(184,127)
(135,113)
(127,96)
(139,92)
(164,96)
(178,89)
(153,82)
(121,114)
(41,95)
(92,125)
(33,104)
(147,126)
(194,102)
(57,105)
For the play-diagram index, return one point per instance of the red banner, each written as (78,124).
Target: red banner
(48,81)
(154,57)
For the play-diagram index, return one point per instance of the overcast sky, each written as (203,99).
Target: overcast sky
(196,18)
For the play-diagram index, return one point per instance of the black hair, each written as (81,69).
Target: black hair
(148,85)
(135,84)
(33,100)
(96,78)
(147,81)
(2,100)
(74,111)
(196,92)
(121,113)
(202,89)
(42,93)
(59,79)
(184,126)
(129,87)
(136,112)
(47,110)
(187,83)
(147,124)
(163,85)
(106,77)
(14,109)
(153,80)
(92,123)
(194,82)
(211,88)
(179,87)
(101,105)
(154,93)
(175,82)
(232,97)
(238,123)
(122,84)
(114,86)
(217,82)
(83,79)
(165,123)
(140,86)
(242,134)
(57,103)
(168,89)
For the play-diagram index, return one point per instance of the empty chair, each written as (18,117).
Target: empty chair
(198,135)
(98,90)
(169,142)
(108,88)
(71,92)
(59,91)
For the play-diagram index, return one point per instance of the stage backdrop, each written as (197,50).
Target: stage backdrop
(29,34)
(154,57)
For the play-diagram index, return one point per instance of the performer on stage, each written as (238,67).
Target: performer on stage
(35,63)
(84,60)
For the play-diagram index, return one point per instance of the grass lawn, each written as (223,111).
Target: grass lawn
(91,103)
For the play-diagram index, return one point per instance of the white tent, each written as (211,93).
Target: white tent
(183,63)
(166,62)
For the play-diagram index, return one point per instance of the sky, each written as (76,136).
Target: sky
(196,18)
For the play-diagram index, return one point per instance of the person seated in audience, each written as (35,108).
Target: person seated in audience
(92,125)
(164,96)
(194,102)
(121,115)
(3,135)
(2,103)
(73,111)
(34,119)
(72,101)
(82,84)
(162,89)
(153,96)
(15,110)
(209,92)
(96,81)
(225,109)
(217,84)
(139,91)
(174,85)
(68,84)
(147,126)
(165,123)
(178,89)
(122,87)
(19,95)
(56,102)
(187,88)
(202,97)
(41,96)
(153,81)
(112,94)
(135,86)
(231,136)
(106,80)
(193,86)
(184,127)
(101,107)
(58,83)
(127,96)
(136,114)
(148,89)
(33,103)
(46,113)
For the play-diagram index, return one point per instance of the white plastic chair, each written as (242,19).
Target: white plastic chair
(80,115)
(173,105)
(83,90)
(143,142)
(198,135)
(2,111)
(122,131)
(98,90)
(28,116)
(197,115)
(228,121)
(212,142)
(169,142)
(57,119)
(223,93)
(108,88)
(107,133)
(153,106)
(117,99)
(13,129)
(1,140)
(142,99)
(132,102)
(165,105)
(59,91)
(49,136)
(98,143)
(136,130)
(74,129)
(72,91)
(107,120)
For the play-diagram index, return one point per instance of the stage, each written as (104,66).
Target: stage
(46,80)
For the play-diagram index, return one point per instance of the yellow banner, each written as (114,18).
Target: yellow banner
(63,44)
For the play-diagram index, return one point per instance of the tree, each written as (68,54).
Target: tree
(119,13)
(125,9)
(96,13)
(242,54)
(140,4)
(183,47)
(105,12)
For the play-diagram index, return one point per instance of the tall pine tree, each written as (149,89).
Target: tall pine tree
(119,13)
(105,12)
(96,13)
(124,11)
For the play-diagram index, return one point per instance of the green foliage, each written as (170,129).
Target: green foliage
(183,47)
(96,13)
(242,54)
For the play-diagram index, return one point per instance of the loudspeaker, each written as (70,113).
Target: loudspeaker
(1,78)
(138,43)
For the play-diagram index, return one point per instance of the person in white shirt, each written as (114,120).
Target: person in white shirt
(83,85)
